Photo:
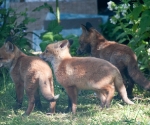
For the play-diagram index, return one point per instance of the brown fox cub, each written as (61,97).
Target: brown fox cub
(86,73)
(29,73)
(91,41)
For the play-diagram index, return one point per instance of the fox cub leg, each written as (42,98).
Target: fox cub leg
(72,93)
(129,85)
(38,104)
(102,97)
(110,94)
(105,95)
(69,108)
(53,103)
(31,100)
(19,95)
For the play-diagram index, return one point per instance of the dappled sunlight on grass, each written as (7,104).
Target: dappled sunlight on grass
(88,111)
(87,114)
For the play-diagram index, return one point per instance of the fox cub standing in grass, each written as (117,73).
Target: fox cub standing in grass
(91,41)
(86,73)
(29,73)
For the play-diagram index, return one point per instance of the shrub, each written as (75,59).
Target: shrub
(10,27)
(132,26)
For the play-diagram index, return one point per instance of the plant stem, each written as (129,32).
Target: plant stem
(57,11)
(124,29)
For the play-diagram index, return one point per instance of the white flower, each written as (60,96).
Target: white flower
(134,5)
(113,21)
(131,22)
(124,14)
(128,5)
(111,5)
(124,11)
(125,6)
(117,16)
(148,51)
(116,7)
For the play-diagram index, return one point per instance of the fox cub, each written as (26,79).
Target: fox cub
(87,73)
(94,43)
(29,73)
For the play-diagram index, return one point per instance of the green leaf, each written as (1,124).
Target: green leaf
(146,2)
(136,12)
(75,44)
(121,35)
(134,27)
(44,6)
(57,37)
(145,13)
(50,8)
(122,40)
(144,36)
(116,29)
(3,11)
(43,45)
(54,27)
(48,36)
(144,24)
(139,49)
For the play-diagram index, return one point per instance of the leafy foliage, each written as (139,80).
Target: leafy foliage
(44,6)
(10,27)
(131,26)
(13,31)
(53,34)
(75,44)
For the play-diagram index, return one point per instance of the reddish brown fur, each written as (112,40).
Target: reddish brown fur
(91,41)
(86,73)
(29,73)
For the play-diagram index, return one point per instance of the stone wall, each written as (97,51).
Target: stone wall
(74,7)
(77,7)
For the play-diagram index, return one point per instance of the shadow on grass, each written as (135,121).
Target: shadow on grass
(88,110)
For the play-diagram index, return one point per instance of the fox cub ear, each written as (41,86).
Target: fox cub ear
(83,27)
(66,43)
(88,25)
(85,30)
(9,46)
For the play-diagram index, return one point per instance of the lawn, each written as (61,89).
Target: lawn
(88,111)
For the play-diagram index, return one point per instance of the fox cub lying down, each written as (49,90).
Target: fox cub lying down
(29,73)
(86,73)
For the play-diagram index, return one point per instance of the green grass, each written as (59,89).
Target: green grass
(88,111)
